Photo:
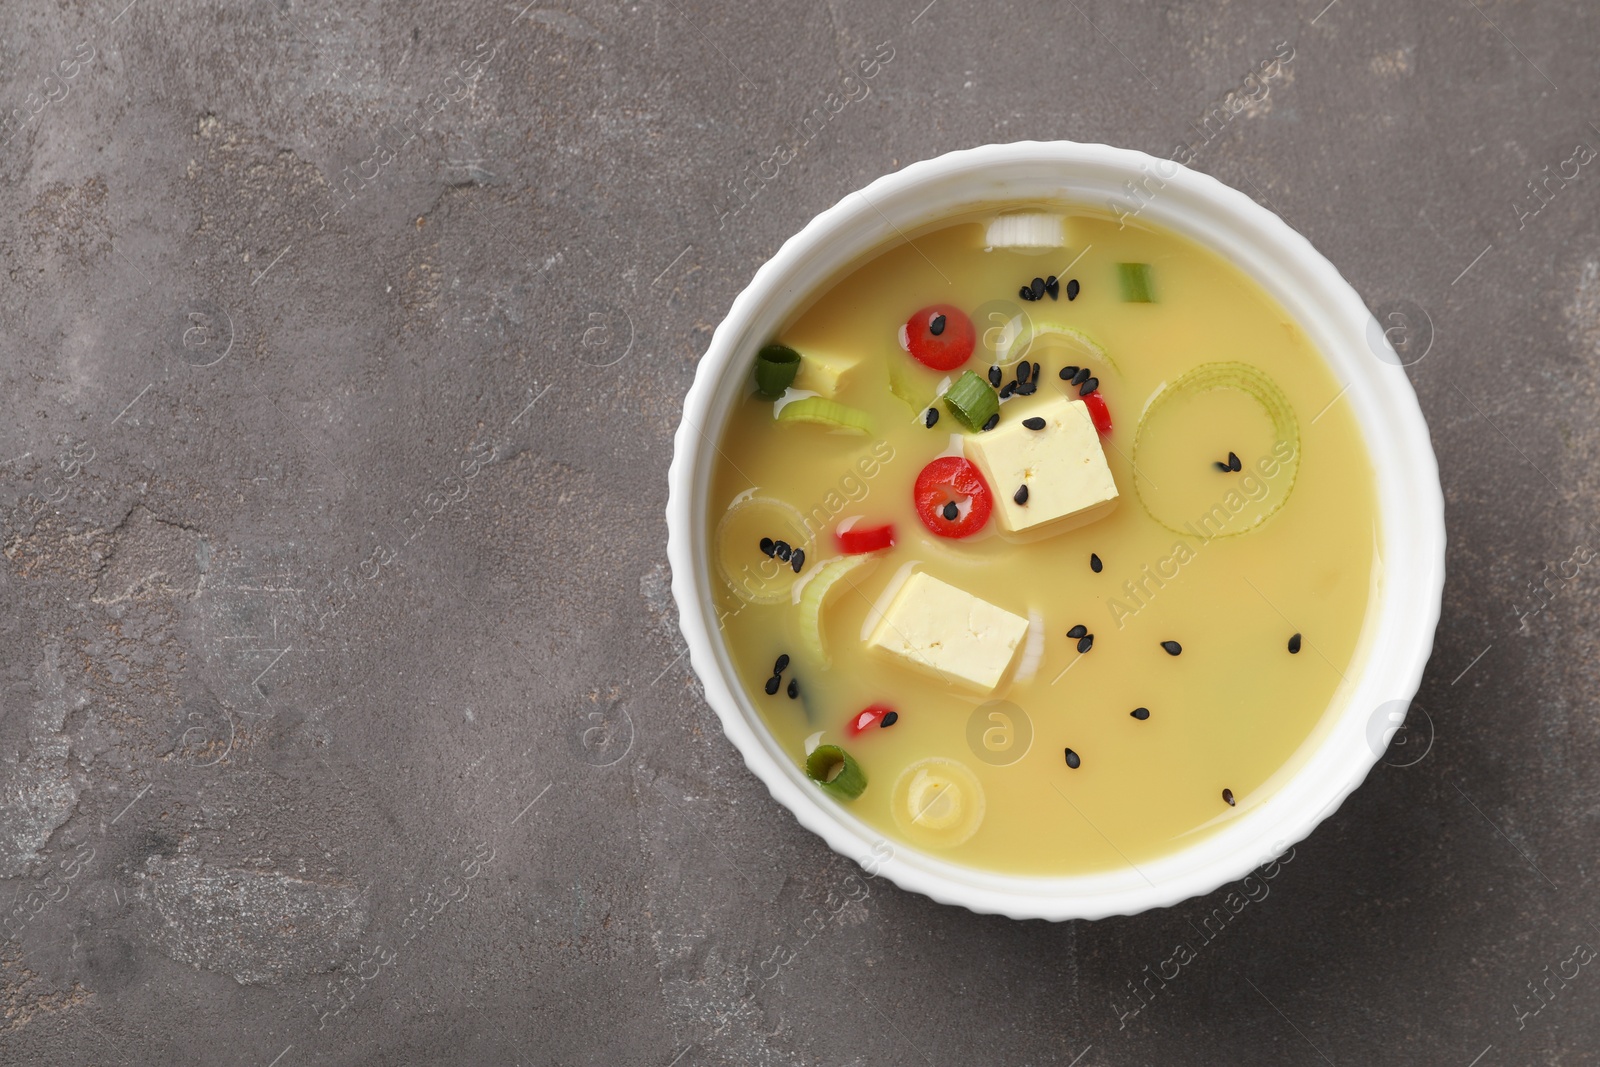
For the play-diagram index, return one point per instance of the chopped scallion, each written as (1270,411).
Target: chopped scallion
(776,367)
(834,770)
(972,401)
(1135,279)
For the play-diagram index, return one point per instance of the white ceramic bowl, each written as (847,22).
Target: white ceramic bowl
(1399,628)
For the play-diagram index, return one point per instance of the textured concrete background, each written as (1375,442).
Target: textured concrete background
(344,718)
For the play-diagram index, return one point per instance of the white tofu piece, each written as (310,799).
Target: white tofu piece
(1062,465)
(936,628)
(823,372)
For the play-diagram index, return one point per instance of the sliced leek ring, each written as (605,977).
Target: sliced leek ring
(1029,231)
(1018,337)
(938,802)
(830,413)
(754,577)
(812,595)
(1224,505)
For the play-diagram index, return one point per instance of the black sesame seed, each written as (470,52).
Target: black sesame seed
(951,511)
(1227,795)
(1233,462)
(1294,645)
(1067,373)
(931,417)
(936,325)
(1140,713)
(1038,288)
(1089,385)
(1080,376)
(772,684)
(767,547)
(1027,388)
(1035,423)
(994,420)
(781,665)
(889,719)
(994,377)
(1072,759)
(1172,647)
(1221,466)
(781,550)
(1036,370)
(1094,563)
(1008,389)
(1072,289)
(1052,286)
(1023,370)
(1021,495)
(797,560)
(1025,292)
(1077,631)
(1086,643)
(794,688)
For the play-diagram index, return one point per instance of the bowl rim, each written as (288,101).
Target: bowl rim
(1397,633)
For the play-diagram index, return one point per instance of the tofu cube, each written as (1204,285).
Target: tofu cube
(1062,465)
(947,632)
(824,373)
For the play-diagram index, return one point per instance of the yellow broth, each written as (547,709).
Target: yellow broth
(1229,565)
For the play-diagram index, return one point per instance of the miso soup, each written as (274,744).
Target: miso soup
(1042,542)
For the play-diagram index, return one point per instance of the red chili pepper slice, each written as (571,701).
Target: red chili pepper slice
(952,480)
(940,336)
(1099,412)
(859,539)
(868,717)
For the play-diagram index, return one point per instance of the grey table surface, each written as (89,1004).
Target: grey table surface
(345,719)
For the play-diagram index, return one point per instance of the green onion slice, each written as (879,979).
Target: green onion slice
(825,412)
(972,400)
(776,366)
(1135,279)
(836,771)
